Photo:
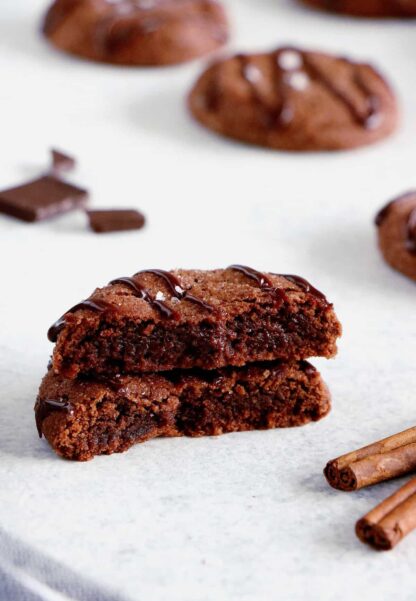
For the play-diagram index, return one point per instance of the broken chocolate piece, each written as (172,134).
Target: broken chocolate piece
(61,163)
(115,220)
(41,199)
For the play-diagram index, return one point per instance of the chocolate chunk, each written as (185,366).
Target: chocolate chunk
(61,163)
(41,199)
(115,220)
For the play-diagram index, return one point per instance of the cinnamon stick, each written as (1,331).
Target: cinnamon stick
(388,458)
(386,525)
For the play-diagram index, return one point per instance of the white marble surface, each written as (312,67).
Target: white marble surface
(247,516)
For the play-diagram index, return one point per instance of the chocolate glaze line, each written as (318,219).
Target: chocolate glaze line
(372,119)
(58,326)
(174,285)
(274,116)
(282,115)
(143,293)
(306,286)
(265,283)
(176,289)
(171,281)
(365,120)
(46,407)
(262,281)
(411,232)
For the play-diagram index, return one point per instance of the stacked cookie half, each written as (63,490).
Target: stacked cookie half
(185,353)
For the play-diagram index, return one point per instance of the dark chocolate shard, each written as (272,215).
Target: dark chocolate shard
(115,220)
(61,163)
(41,199)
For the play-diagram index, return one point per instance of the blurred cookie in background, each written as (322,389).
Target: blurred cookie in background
(396,224)
(291,99)
(136,32)
(367,8)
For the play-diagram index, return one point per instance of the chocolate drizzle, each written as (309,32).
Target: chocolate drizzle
(262,281)
(306,286)
(58,326)
(176,289)
(282,114)
(265,283)
(272,116)
(45,407)
(141,291)
(367,120)
(144,294)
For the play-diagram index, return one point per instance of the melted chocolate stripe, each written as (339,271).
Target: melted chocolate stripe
(46,407)
(262,280)
(306,286)
(143,293)
(283,111)
(58,326)
(176,289)
(265,283)
(171,281)
(274,115)
(317,74)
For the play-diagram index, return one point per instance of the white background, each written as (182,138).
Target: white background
(245,516)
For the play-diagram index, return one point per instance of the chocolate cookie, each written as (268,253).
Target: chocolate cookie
(136,32)
(159,320)
(290,99)
(368,8)
(396,224)
(83,418)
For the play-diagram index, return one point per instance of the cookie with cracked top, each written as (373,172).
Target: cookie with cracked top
(83,418)
(367,8)
(290,99)
(136,32)
(158,320)
(396,225)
